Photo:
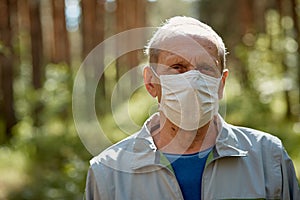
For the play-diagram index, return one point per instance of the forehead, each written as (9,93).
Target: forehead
(189,48)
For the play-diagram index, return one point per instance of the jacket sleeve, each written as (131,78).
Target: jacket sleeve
(289,183)
(92,188)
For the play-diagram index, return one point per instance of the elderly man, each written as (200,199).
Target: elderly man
(186,150)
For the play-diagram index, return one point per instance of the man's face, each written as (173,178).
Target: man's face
(184,53)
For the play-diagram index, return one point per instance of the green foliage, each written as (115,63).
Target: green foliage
(268,102)
(271,62)
(54,160)
(56,166)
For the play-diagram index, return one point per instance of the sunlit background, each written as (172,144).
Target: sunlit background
(44,42)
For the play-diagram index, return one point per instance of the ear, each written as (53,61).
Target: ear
(149,81)
(222,84)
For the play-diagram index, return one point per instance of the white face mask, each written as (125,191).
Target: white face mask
(189,100)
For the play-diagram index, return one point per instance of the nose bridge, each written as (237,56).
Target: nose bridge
(193,66)
(194,62)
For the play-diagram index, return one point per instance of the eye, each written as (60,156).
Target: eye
(208,70)
(178,68)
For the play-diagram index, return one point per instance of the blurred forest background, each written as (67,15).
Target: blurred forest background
(44,42)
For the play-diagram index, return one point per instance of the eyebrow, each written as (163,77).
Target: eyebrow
(176,60)
(204,64)
(214,67)
(182,62)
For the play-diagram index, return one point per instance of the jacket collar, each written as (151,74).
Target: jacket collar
(227,142)
(144,148)
(146,153)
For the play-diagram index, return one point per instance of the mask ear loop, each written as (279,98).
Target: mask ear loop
(154,72)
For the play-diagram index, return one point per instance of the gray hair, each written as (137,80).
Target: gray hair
(185,25)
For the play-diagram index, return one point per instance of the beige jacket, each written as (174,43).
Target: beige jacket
(244,164)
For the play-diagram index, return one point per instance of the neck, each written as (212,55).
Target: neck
(172,139)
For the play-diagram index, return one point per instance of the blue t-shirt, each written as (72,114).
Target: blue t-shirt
(188,170)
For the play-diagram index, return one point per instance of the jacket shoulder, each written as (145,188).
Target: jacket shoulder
(260,136)
(117,155)
(261,140)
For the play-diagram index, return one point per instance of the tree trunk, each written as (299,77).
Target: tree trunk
(24,30)
(36,54)
(121,62)
(36,43)
(15,31)
(93,24)
(6,71)
(246,16)
(61,50)
(89,23)
(295,16)
(129,15)
(281,11)
(98,38)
